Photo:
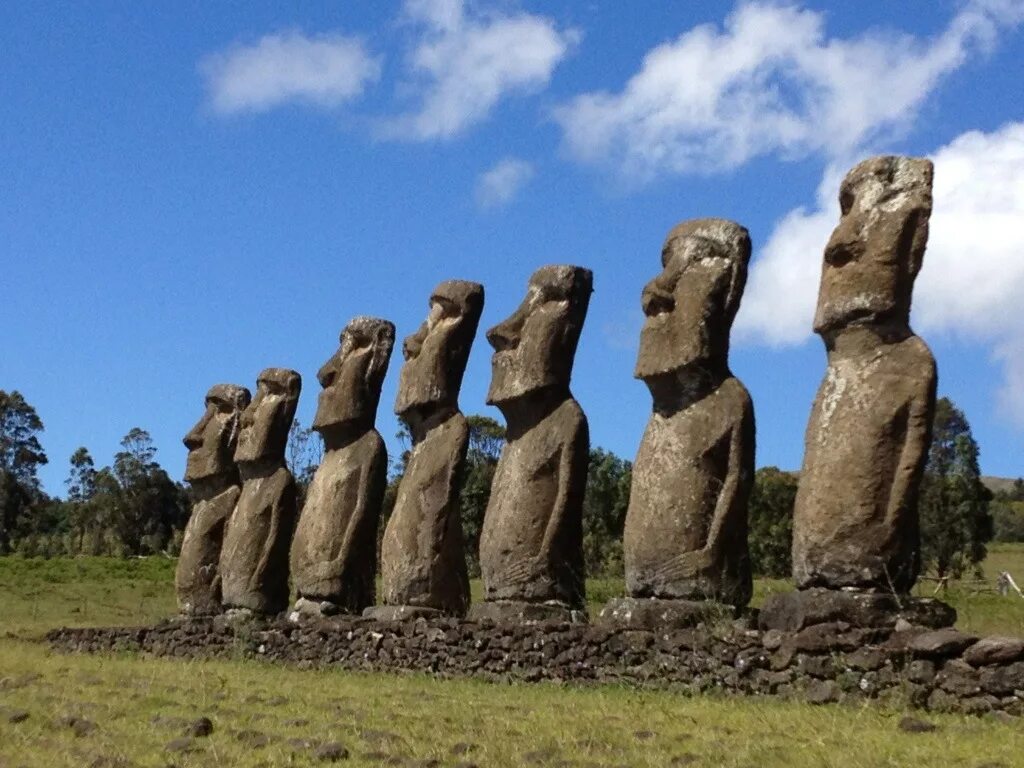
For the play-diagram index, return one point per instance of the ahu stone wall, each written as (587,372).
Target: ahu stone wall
(941,670)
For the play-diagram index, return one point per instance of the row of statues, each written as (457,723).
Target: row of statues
(685,540)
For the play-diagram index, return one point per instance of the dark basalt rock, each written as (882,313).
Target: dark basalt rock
(792,611)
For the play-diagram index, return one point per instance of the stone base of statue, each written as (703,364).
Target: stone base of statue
(652,613)
(401,612)
(520,612)
(792,611)
(305,608)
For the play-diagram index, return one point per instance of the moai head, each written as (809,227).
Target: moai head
(352,378)
(265,423)
(211,442)
(436,355)
(875,253)
(535,347)
(690,306)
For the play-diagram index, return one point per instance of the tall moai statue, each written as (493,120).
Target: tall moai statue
(531,545)
(423,562)
(685,542)
(216,486)
(855,523)
(254,559)
(334,552)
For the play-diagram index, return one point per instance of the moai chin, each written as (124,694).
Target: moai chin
(213,475)
(855,522)
(254,558)
(423,562)
(686,527)
(334,552)
(531,548)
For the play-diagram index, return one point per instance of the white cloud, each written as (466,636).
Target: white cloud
(465,64)
(323,70)
(971,284)
(770,81)
(498,185)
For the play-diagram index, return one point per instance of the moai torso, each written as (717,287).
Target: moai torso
(334,552)
(423,562)
(531,544)
(686,527)
(254,559)
(531,541)
(855,521)
(216,486)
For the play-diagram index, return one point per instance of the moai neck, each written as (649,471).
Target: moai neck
(422,421)
(523,413)
(338,436)
(678,390)
(206,488)
(257,470)
(857,339)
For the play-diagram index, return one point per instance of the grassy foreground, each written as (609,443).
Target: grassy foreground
(118,711)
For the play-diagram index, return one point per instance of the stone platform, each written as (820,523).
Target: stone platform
(657,615)
(516,612)
(792,611)
(943,670)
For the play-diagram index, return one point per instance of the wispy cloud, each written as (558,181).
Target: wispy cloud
(464,64)
(322,70)
(769,81)
(500,184)
(973,274)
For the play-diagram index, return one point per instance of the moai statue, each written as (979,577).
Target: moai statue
(423,562)
(213,475)
(855,523)
(531,545)
(685,542)
(334,552)
(254,559)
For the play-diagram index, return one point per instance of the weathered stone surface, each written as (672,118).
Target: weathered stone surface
(791,611)
(531,545)
(401,612)
(216,486)
(532,643)
(334,552)
(855,520)
(654,614)
(522,612)
(995,650)
(254,558)
(686,528)
(423,562)
(940,643)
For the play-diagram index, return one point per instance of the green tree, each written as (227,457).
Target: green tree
(21,455)
(770,536)
(80,506)
(604,511)
(486,441)
(956,522)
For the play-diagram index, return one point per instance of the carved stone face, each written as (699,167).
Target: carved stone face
(875,253)
(436,355)
(265,423)
(211,442)
(535,347)
(690,306)
(352,378)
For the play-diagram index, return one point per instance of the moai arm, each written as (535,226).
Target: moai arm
(441,493)
(367,500)
(914,450)
(282,511)
(736,485)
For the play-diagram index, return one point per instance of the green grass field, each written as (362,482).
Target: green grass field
(126,710)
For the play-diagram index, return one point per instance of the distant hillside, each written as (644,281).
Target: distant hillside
(996,484)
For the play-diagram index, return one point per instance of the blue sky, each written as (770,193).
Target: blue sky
(191,192)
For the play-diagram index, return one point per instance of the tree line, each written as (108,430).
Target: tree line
(132,506)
